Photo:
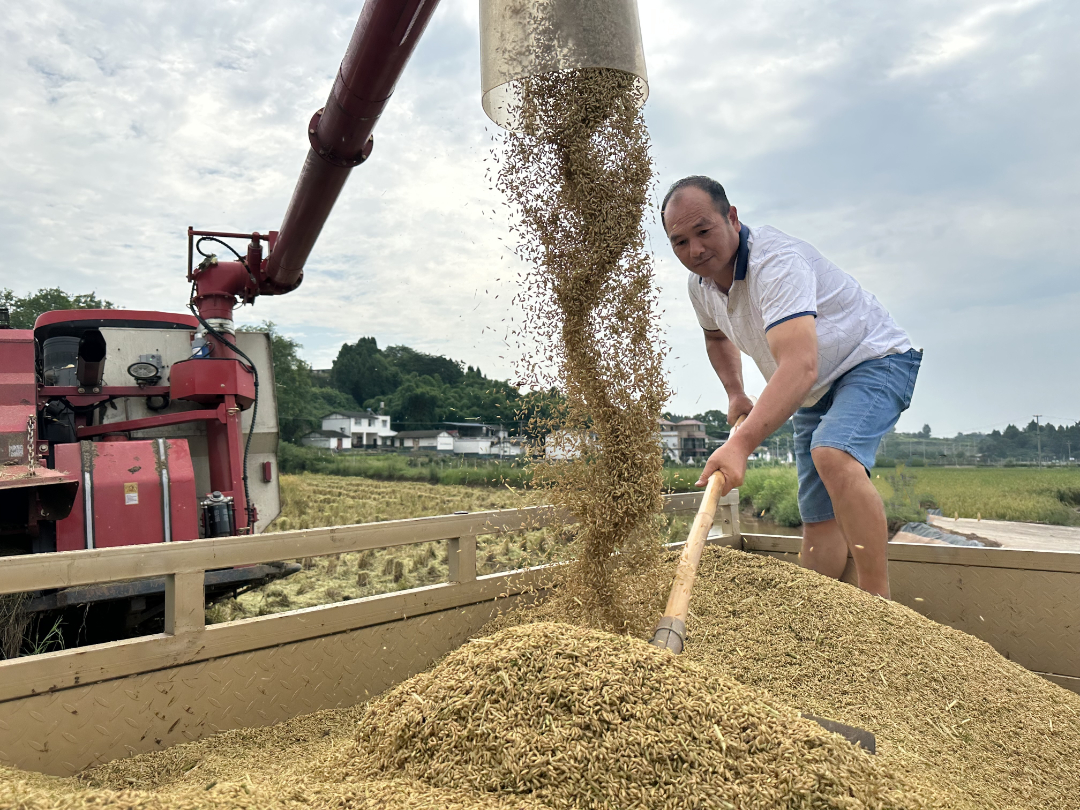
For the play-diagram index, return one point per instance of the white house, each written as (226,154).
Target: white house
(327,439)
(366,428)
(438,440)
(475,439)
(669,438)
(473,445)
(510,447)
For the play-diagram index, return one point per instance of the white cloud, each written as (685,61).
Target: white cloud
(928,148)
(940,45)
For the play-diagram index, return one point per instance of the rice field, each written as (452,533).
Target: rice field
(1029,495)
(310,501)
(316,500)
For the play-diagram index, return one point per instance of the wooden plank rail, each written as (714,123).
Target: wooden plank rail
(65,569)
(65,669)
(187,639)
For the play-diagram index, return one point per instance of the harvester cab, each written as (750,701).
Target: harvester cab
(113,434)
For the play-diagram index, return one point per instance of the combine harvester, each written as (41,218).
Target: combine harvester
(131,507)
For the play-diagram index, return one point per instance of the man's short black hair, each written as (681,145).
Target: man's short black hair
(706,184)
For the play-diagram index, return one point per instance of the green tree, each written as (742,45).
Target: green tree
(24,310)
(409,361)
(419,402)
(292,383)
(363,371)
(925,432)
(536,410)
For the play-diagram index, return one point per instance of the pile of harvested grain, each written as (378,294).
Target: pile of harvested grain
(577,718)
(544,716)
(580,718)
(945,706)
(296,764)
(577,177)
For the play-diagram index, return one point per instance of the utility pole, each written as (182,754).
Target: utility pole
(1038,436)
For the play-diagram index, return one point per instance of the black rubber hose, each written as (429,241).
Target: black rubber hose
(254,406)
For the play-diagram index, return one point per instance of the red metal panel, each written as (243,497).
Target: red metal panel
(18,393)
(209,380)
(127,494)
(183,497)
(15,476)
(71,531)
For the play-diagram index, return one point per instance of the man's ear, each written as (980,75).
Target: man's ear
(733,217)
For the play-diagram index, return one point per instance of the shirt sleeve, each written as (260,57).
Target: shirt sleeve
(787,286)
(701,309)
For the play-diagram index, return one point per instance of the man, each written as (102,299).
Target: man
(831,354)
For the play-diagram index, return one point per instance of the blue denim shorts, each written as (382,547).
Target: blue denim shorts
(859,408)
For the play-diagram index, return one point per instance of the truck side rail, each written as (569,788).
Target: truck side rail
(188,639)
(61,712)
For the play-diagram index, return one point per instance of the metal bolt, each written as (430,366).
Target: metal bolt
(82,390)
(43,448)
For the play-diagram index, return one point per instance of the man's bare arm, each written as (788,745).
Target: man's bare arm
(727,363)
(794,345)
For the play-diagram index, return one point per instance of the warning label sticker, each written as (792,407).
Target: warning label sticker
(131,494)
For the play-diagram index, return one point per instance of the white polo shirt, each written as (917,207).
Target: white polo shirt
(779,277)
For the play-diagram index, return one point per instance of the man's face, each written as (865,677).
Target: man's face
(704,239)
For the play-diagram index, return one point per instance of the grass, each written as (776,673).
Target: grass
(313,500)
(435,469)
(424,467)
(1026,494)
(1029,495)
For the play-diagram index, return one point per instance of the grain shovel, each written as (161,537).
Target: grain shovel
(670,633)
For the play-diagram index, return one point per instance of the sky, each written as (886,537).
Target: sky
(927,148)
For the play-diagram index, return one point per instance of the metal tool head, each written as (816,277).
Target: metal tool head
(670,634)
(853,734)
(522,38)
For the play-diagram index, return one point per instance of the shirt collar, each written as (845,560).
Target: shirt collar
(742,257)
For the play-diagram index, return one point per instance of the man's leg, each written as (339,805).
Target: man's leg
(824,548)
(860,514)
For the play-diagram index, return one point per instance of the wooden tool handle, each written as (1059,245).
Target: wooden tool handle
(670,631)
